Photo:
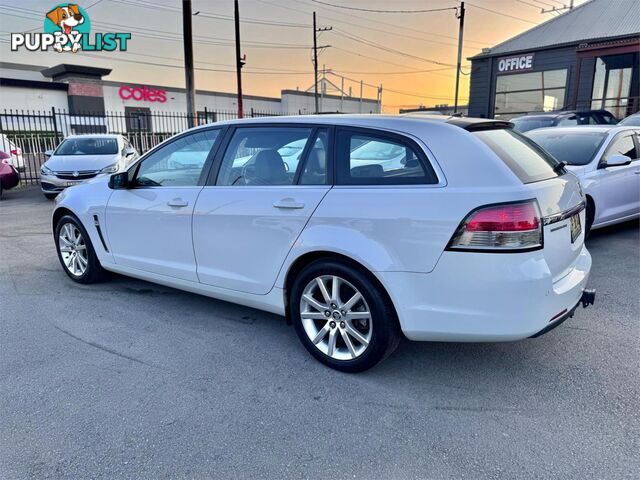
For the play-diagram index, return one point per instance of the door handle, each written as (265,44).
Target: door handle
(288,203)
(177,202)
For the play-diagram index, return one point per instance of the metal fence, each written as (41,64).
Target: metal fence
(27,135)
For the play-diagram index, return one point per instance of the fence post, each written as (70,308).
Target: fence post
(55,124)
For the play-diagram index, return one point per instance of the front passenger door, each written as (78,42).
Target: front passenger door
(149,225)
(619,185)
(246,222)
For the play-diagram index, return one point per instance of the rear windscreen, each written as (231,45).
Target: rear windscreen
(526,124)
(525,159)
(571,147)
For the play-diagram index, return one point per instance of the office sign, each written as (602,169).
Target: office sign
(516,64)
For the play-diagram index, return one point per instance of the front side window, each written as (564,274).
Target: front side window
(88,146)
(623,145)
(525,158)
(375,159)
(573,148)
(178,164)
(260,156)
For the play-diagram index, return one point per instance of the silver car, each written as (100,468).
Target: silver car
(82,157)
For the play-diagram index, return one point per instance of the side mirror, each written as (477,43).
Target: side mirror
(48,153)
(617,160)
(119,181)
(129,151)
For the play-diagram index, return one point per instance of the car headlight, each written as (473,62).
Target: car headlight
(110,169)
(44,170)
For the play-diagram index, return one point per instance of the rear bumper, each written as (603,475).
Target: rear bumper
(475,297)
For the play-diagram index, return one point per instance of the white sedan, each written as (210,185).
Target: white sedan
(607,162)
(436,229)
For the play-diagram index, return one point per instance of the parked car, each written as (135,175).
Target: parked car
(563,119)
(13,151)
(81,157)
(475,235)
(605,159)
(9,176)
(631,121)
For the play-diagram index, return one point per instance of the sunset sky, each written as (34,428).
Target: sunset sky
(392,49)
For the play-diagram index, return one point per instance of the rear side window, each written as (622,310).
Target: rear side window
(525,159)
(372,158)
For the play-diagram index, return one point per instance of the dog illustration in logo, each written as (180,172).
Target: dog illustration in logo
(67,18)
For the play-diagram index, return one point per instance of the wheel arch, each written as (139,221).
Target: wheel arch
(309,257)
(58,213)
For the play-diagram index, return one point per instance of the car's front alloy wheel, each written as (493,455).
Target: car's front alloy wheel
(75,251)
(342,316)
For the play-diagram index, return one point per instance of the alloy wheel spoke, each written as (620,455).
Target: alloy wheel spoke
(348,342)
(82,262)
(65,249)
(356,334)
(358,315)
(64,240)
(352,301)
(335,289)
(81,247)
(321,334)
(323,290)
(314,303)
(331,343)
(313,315)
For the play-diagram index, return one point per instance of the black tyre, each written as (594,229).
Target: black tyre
(50,196)
(1,190)
(589,217)
(342,317)
(75,251)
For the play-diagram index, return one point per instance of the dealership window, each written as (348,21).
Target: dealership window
(612,84)
(530,92)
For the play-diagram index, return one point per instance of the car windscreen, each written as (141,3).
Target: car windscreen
(88,146)
(573,148)
(632,121)
(527,161)
(526,124)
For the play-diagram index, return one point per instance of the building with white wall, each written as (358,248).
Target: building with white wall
(80,90)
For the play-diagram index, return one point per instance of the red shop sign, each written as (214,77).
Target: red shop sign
(142,94)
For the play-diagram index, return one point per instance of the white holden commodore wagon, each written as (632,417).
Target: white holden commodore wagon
(438,229)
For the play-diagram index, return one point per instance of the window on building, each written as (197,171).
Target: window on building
(612,84)
(530,92)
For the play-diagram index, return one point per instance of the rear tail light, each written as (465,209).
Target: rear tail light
(504,227)
(16,151)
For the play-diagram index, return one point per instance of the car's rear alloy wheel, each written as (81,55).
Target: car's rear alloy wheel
(336,317)
(76,252)
(342,316)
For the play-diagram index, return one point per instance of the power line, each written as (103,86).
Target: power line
(369,43)
(384,11)
(403,28)
(500,13)
(203,14)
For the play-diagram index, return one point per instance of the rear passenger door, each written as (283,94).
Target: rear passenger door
(255,206)
(387,199)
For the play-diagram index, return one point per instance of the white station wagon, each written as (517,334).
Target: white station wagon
(441,229)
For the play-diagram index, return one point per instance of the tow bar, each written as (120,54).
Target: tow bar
(588,297)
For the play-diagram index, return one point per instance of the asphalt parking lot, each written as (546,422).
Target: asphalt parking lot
(127,379)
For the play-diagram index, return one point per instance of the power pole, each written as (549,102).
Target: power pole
(316,30)
(240,60)
(459,64)
(188,62)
